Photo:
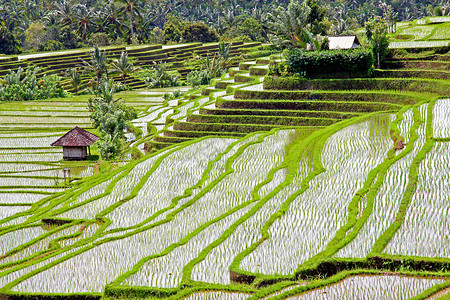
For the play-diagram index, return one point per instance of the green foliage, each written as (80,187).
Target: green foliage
(358,62)
(173,28)
(8,43)
(110,116)
(376,32)
(197,77)
(213,66)
(69,38)
(253,29)
(50,45)
(109,147)
(25,85)
(123,66)
(74,76)
(199,32)
(35,35)
(156,36)
(278,69)
(159,77)
(97,64)
(99,39)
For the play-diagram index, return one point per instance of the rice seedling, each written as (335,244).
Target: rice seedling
(24,134)
(217,295)
(21,142)
(40,245)
(442,19)
(177,172)
(381,287)
(45,113)
(425,228)
(163,273)
(215,267)
(14,239)
(10,198)
(314,216)
(121,189)
(441,119)
(286,289)
(183,109)
(256,87)
(442,32)
(162,118)
(10,167)
(152,115)
(44,126)
(32,157)
(418,32)
(405,125)
(9,275)
(42,120)
(26,181)
(418,44)
(388,199)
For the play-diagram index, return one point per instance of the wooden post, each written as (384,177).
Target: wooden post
(66,176)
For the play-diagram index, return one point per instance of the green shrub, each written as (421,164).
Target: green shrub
(172,29)
(197,78)
(24,85)
(357,62)
(159,77)
(199,32)
(99,39)
(51,45)
(8,43)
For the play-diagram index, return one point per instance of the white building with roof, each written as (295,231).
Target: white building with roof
(343,42)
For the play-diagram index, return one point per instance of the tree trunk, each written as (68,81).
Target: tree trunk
(378,60)
(132,30)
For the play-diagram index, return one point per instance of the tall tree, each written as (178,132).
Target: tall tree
(133,10)
(123,66)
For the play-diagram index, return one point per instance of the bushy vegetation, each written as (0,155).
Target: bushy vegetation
(158,77)
(63,23)
(26,85)
(358,62)
(110,116)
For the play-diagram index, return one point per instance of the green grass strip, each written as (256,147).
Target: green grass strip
(384,239)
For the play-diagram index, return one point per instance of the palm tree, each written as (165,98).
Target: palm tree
(84,22)
(132,9)
(97,64)
(123,66)
(74,76)
(65,13)
(110,19)
(290,25)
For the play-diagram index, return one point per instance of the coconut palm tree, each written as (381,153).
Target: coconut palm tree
(290,25)
(133,10)
(64,12)
(123,66)
(83,20)
(97,64)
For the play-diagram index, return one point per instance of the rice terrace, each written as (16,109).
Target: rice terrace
(292,156)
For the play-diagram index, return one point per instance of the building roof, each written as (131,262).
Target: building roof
(343,42)
(76,137)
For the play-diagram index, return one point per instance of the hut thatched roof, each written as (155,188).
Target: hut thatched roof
(76,137)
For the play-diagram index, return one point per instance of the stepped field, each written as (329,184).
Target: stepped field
(256,187)
(430,32)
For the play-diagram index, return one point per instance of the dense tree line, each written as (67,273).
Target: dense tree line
(64,24)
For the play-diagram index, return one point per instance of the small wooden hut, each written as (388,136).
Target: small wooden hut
(76,144)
